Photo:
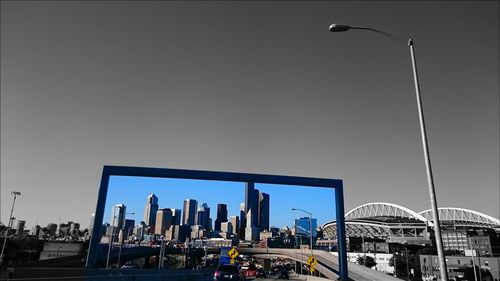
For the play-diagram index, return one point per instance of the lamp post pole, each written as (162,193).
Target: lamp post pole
(11,221)
(310,229)
(430,179)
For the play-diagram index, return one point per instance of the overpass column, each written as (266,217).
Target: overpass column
(267,265)
(341,239)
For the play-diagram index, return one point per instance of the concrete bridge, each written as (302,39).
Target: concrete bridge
(327,263)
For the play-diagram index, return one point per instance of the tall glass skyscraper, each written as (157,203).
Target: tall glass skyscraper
(263,211)
(189,212)
(221,216)
(252,203)
(203,216)
(302,226)
(150,210)
(118,216)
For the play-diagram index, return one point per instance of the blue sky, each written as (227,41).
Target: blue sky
(133,191)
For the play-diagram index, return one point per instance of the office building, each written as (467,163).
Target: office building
(235,222)
(197,232)
(189,212)
(251,204)
(251,232)
(176,216)
(221,216)
(163,220)
(177,233)
(150,210)
(20,227)
(302,226)
(203,216)
(118,216)
(243,221)
(226,227)
(263,222)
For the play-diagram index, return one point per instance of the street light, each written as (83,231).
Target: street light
(340,28)
(113,234)
(310,228)
(11,221)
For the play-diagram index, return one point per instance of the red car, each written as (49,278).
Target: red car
(249,272)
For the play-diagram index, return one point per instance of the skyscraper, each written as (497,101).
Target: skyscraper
(150,210)
(221,216)
(163,220)
(251,232)
(236,224)
(263,211)
(203,216)
(118,216)
(251,203)
(176,216)
(189,212)
(243,221)
(302,226)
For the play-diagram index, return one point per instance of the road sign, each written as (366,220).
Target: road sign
(312,261)
(233,253)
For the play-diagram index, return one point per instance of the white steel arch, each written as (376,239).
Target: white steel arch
(460,216)
(376,209)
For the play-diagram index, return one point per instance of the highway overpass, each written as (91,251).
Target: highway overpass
(327,263)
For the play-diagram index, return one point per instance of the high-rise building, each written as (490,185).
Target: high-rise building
(176,216)
(302,226)
(150,210)
(177,233)
(221,216)
(236,224)
(203,216)
(243,221)
(163,220)
(251,232)
(129,227)
(263,211)
(251,203)
(92,219)
(189,212)
(20,227)
(226,227)
(118,216)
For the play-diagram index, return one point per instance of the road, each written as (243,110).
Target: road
(328,263)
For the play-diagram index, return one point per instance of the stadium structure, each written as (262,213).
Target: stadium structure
(397,224)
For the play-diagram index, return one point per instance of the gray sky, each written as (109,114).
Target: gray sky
(259,87)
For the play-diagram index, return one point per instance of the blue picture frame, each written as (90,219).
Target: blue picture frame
(109,171)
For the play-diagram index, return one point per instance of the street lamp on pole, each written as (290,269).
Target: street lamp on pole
(310,228)
(11,221)
(430,180)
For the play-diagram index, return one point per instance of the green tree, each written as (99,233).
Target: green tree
(398,261)
(368,261)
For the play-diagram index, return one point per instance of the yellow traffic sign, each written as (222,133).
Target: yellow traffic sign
(312,261)
(233,253)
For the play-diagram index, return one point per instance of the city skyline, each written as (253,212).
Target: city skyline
(128,191)
(255,87)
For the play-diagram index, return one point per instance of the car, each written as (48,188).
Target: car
(284,274)
(261,273)
(228,272)
(130,264)
(249,271)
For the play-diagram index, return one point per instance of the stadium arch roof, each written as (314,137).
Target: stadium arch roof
(383,209)
(462,217)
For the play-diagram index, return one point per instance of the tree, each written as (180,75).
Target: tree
(368,261)
(398,261)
